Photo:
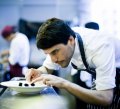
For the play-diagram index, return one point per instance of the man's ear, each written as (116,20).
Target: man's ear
(71,40)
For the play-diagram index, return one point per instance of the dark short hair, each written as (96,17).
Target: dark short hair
(7,30)
(53,31)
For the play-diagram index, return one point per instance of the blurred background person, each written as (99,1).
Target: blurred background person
(92,25)
(18,54)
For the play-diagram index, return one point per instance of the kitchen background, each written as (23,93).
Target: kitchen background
(28,15)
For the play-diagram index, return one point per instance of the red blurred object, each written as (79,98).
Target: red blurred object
(7,31)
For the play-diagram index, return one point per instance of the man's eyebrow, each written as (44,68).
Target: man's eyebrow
(54,51)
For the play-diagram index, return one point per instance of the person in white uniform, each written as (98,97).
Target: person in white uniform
(18,53)
(102,52)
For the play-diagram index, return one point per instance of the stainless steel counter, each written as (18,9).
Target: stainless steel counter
(13,100)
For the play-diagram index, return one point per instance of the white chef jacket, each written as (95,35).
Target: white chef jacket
(102,53)
(19,51)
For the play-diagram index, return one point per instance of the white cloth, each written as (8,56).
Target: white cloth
(86,77)
(102,53)
(49,64)
(20,51)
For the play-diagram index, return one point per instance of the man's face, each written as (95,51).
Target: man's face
(62,54)
(8,38)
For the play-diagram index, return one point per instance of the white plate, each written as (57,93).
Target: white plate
(14,85)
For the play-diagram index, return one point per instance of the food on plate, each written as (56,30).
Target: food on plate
(32,84)
(26,84)
(20,84)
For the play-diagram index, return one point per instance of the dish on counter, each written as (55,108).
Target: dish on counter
(23,86)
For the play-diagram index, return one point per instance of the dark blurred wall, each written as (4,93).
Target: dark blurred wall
(36,10)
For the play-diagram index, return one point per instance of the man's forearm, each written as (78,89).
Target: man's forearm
(90,96)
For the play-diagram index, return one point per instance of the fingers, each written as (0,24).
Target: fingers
(36,79)
(32,74)
(50,80)
(45,78)
(28,75)
(48,83)
(35,74)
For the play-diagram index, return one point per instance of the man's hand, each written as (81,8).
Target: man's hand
(51,80)
(4,53)
(4,60)
(32,74)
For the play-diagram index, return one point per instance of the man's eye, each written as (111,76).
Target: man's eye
(54,52)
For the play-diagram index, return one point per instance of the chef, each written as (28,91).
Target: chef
(18,54)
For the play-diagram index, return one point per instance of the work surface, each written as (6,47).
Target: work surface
(47,98)
(13,100)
